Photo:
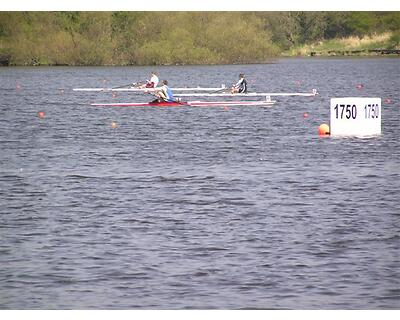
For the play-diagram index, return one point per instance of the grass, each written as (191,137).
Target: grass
(378,41)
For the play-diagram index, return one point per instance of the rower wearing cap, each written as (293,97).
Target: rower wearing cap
(165,93)
(240,86)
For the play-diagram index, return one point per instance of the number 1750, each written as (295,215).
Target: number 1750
(346,110)
(371,111)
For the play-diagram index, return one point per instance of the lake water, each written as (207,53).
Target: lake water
(198,208)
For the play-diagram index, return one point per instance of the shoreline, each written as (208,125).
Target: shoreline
(317,55)
(352,53)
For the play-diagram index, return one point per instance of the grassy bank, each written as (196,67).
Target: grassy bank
(353,45)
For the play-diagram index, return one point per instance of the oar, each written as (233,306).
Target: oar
(123,86)
(222,90)
(135,84)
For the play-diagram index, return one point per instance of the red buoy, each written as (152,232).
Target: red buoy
(387,101)
(41,114)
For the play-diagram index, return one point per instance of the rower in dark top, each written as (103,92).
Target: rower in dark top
(240,86)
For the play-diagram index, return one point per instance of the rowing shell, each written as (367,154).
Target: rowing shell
(250,94)
(147,89)
(188,103)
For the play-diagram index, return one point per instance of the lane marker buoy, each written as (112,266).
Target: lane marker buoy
(387,101)
(41,114)
(323,130)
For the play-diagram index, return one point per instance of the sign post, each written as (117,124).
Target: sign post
(355,116)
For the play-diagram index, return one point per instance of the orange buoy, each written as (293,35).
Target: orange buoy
(114,125)
(305,115)
(41,114)
(323,129)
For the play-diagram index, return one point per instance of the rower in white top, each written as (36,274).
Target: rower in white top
(152,83)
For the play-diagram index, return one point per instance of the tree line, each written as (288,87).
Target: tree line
(163,38)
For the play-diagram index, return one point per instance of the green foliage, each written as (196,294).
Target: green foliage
(390,21)
(361,23)
(394,41)
(337,25)
(155,38)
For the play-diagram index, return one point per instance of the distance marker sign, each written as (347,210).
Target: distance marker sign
(355,116)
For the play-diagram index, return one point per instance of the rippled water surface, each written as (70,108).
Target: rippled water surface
(181,208)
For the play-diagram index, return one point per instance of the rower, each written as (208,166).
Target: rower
(240,86)
(164,93)
(152,83)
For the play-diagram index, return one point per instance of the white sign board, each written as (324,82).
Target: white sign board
(355,116)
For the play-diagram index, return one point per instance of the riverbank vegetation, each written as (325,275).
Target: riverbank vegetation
(352,45)
(164,38)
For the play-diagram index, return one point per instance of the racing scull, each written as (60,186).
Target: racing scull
(187,103)
(132,89)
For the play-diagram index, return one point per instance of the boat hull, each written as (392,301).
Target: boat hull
(187,104)
(141,104)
